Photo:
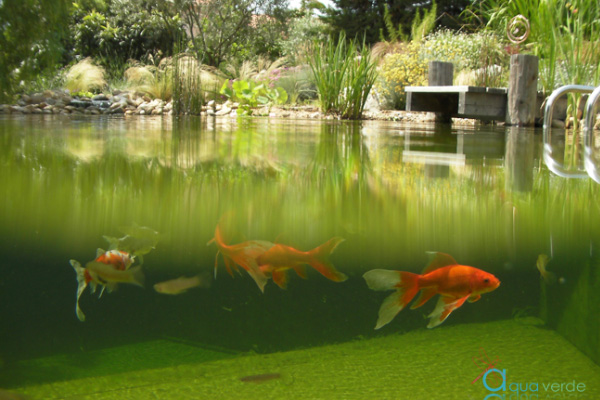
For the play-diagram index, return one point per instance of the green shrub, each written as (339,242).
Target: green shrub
(250,94)
(398,70)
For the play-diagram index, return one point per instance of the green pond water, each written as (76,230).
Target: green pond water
(393,191)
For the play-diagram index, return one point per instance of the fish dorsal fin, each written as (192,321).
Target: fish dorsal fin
(99,252)
(438,260)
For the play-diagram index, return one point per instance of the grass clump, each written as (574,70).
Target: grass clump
(85,77)
(344,76)
(154,81)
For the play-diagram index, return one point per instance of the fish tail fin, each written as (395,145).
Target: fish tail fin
(320,260)
(137,276)
(81,285)
(406,285)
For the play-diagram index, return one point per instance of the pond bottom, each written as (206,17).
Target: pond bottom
(448,362)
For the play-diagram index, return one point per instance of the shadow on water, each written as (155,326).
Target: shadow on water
(391,191)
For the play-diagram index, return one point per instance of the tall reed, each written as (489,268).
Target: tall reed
(344,76)
(188,96)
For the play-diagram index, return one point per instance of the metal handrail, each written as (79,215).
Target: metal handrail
(554,166)
(589,116)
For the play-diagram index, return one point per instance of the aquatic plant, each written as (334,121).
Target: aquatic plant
(85,76)
(344,76)
(250,94)
(192,83)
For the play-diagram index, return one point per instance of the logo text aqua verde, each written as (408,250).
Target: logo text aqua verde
(531,390)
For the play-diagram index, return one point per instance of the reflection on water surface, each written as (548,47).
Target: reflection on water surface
(392,191)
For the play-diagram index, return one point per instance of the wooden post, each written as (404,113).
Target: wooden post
(441,74)
(522,90)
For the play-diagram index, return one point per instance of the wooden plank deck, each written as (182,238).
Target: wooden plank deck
(458,101)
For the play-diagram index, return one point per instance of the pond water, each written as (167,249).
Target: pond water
(392,191)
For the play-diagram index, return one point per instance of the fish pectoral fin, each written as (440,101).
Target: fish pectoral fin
(474,298)
(80,288)
(280,278)
(300,270)
(111,287)
(443,308)
(229,265)
(424,296)
(259,276)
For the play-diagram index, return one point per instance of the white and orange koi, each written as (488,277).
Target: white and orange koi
(107,270)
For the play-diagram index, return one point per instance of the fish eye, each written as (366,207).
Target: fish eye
(486,280)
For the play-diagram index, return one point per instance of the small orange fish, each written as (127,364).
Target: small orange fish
(108,269)
(444,276)
(278,259)
(242,254)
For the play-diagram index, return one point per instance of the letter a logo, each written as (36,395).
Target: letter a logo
(502,385)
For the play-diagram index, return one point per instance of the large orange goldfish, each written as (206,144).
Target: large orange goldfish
(242,254)
(107,270)
(279,258)
(444,276)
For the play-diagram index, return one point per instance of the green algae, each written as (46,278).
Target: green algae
(441,363)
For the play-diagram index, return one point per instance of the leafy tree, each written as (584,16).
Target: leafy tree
(367,17)
(30,39)
(222,28)
(117,30)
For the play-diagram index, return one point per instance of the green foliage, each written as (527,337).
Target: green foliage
(118,30)
(359,18)
(470,52)
(393,33)
(221,29)
(302,32)
(343,76)
(422,27)
(30,40)
(299,84)
(564,34)
(251,94)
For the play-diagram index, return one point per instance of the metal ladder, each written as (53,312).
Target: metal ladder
(590,168)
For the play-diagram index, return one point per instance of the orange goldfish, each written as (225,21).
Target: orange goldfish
(279,258)
(242,254)
(108,269)
(444,276)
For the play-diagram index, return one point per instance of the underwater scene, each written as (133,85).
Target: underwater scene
(155,258)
